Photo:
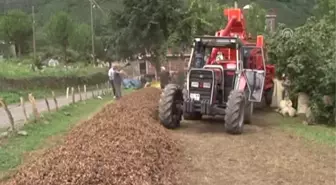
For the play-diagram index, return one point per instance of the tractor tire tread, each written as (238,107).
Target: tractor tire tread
(232,112)
(165,106)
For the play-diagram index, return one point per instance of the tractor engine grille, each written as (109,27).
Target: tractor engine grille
(229,78)
(201,76)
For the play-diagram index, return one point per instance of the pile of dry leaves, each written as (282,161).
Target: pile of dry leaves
(123,144)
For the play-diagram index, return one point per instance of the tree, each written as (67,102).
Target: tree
(16,28)
(80,39)
(199,18)
(143,27)
(59,30)
(255,19)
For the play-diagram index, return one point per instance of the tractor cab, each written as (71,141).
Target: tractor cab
(219,65)
(217,55)
(226,52)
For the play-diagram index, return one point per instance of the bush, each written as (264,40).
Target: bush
(308,59)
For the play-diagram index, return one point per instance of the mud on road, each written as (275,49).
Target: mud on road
(125,144)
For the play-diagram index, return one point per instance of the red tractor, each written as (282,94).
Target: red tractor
(226,76)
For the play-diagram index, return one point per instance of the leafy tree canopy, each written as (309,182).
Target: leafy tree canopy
(308,57)
(255,19)
(60,29)
(198,18)
(142,27)
(80,39)
(16,27)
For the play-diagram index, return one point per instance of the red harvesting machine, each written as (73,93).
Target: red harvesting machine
(227,74)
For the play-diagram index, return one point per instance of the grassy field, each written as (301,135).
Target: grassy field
(14,150)
(10,69)
(315,133)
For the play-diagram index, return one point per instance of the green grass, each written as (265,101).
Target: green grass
(58,123)
(316,133)
(13,69)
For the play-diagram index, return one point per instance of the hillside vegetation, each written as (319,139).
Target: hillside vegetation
(291,12)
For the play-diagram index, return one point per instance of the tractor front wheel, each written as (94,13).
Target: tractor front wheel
(234,112)
(170,112)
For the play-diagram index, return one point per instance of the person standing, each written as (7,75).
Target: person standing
(164,77)
(111,79)
(117,79)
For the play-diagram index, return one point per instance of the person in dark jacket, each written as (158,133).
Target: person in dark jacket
(164,77)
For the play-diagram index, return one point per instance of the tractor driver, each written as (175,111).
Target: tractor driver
(220,56)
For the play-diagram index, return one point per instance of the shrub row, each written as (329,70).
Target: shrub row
(50,82)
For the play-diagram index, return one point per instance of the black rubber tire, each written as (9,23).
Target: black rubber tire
(234,112)
(170,94)
(248,113)
(249,108)
(269,96)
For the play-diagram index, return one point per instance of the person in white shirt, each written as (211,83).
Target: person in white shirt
(111,79)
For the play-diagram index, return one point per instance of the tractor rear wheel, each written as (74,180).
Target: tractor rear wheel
(248,112)
(170,112)
(249,107)
(234,112)
(268,96)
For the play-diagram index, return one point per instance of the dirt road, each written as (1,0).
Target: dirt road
(263,155)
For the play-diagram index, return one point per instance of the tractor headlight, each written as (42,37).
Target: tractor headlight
(231,66)
(194,84)
(207,85)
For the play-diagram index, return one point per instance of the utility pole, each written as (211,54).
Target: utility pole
(92,33)
(34,43)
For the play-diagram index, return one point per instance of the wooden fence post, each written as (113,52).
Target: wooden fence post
(102,89)
(67,93)
(35,111)
(73,94)
(80,94)
(97,89)
(47,103)
(93,95)
(55,100)
(85,92)
(22,102)
(106,88)
(9,114)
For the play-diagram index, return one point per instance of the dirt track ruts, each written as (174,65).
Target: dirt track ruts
(124,144)
(263,155)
